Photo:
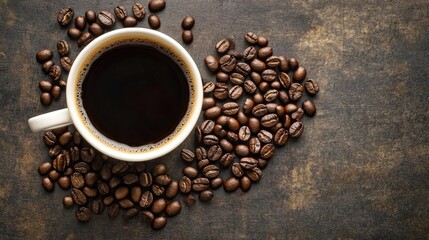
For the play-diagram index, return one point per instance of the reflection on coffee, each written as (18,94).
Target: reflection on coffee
(135,94)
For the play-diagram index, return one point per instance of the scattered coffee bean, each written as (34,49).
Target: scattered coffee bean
(85,39)
(227,63)
(235,92)
(227,159)
(146,216)
(66,63)
(158,205)
(80,22)
(258,65)
(47,65)
(295,91)
(216,183)
(47,184)
(139,11)
(113,210)
(255,174)
(251,38)
(187,36)
(231,184)
(265,52)
(90,16)
(245,183)
(159,222)
(284,64)
(293,64)
(129,22)
(309,108)
(188,23)
(172,189)
(206,195)
(95,29)
(173,208)
(222,46)
(146,199)
(311,86)
(262,41)
(83,214)
(65,16)
(106,18)
(254,145)
(212,63)
(267,151)
(156,5)
(299,74)
(74,33)
(200,184)
(63,48)
(187,155)
(68,202)
(78,196)
(154,21)
(120,12)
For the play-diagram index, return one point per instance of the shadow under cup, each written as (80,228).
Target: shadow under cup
(85,119)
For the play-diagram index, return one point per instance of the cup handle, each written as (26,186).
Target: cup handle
(51,120)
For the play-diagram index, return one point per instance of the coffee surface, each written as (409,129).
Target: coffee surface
(135,94)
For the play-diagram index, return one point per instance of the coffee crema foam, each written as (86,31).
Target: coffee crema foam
(121,146)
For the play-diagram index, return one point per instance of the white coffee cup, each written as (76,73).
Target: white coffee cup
(76,114)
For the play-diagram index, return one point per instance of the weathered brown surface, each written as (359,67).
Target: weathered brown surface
(361,169)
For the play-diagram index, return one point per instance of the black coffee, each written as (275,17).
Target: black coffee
(135,94)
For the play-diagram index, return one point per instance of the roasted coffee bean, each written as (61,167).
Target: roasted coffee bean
(265,52)
(201,164)
(130,213)
(235,92)
(159,223)
(214,153)
(83,214)
(173,208)
(269,120)
(63,48)
(248,105)
(295,91)
(78,196)
(309,108)
(80,22)
(245,183)
(222,77)
(77,138)
(262,41)
(65,138)
(281,136)
(113,210)
(47,65)
(103,188)
(242,150)
(235,53)
(251,38)
(158,190)
(218,131)
(208,103)
(254,125)
(139,11)
(221,91)
(296,129)
(130,178)
(85,39)
(188,23)
(200,153)
(48,185)
(90,16)
(227,63)
(244,133)
(146,199)
(190,172)
(129,22)
(233,125)
(280,111)
(284,64)
(222,120)
(88,155)
(260,110)
(256,78)
(299,74)
(49,138)
(66,63)
(83,167)
(208,87)
(258,65)
(200,184)
(249,87)
(236,78)
(267,151)
(210,140)
(62,83)
(243,68)
(185,184)
(271,107)
(159,169)
(44,55)
(216,183)
(237,170)
(154,21)
(158,206)
(249,53)
(187,36)
(287,121)
(230,108)
(107,200)
(269,75)
(139,167)
(311,86)
(65,16)
(211,171)
(275,85)
(55,73)
(77,180)
(206,195)
(91,178)
(207,126)
(271,95)
(222,46)
(231,184)
(135,194)
(255,174)
(272,62)
(54,150)
(95,29)
(163,180)
(53,175)
(172,189)
(90,192)
(242,118)
(74,33)
(226,145)
(145,179)
(263,87)
(45,168)
(120,12)
(285,80)
(265,136)
(290,108)
(262,163)
(68,202)
(119,167)
(248,163)
(126,203)
(293,64)
(254,145)
(232,136)
(60,162)
(212,63)
(146,216)
(187,155)
(297,115)
(227,159)
(106,18)
(156,5)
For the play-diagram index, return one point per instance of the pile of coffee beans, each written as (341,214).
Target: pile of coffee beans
(250,111)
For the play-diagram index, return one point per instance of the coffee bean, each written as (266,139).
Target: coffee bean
(251,38)
(80,22)
(259,110)
(154,21)
(206,195)
(237,170)
(210,140)
(262,163)
(78,196)
(185,184)
(48,185)
(284,64)
(227,159)
(222,46)
(146,216)
(163,180)
(243,68)
(262,41)
(233,125)
(311,87)
(158,190)
(227,63)
(103,188)
(285,80)
(139,11)
(212,63)
(299,74)
(187,36)
(248,163)
(249,87)
(49,139)
(242,150)
(208,87)
(173,208)
(287,121)
(293,64)
(231,184)
(201,164)
(267,151)
(159,223)
(135,194)
(68,202)
(235,92)
(230,109)
(218,131)
(255,174)
(208,103)
(55,73)
(221,91)
(126,203)
(91,178)
(290,108)
(65,16)
(244,133)
(130,213)
(200,184)
(297,115)
(118,168)
(265,52)
(245,183)
(56,92)
(172,189)
(158,205)
(63,48)
(65,138)
(113,210)
(271,107)
(106,18)
(66,63)
(296,129)
(74,33)
(200,153)
(95,29)
(47,65)
(263,87)
(45,168)
(258,65)
(222,120)
(187,155)
(269,120)
(242,118)
(236,78)
(62,83)
(83,214)
(275,85)
(90,192)
(249,53)
(272,61)
(60,162)
(295,91)
(214,153)
(265,136)
(222,77)
(107,200)
(77,180)
(146,199)
(269,75)
(90,16)
(226,145)
(130,178)
(248,105)
(129,22)
(254,125)
(156,5)
(271,95)
(188,23)
(120,12)
(85,39)
(309,108)
(114,182)
(53,175)
(281,136)
(254,145)
(54,150)
(216,183)
(82,167)
(211,171)
(145,179)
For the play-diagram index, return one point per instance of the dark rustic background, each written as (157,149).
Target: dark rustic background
(360,171)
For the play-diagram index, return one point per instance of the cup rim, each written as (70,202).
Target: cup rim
(158,151)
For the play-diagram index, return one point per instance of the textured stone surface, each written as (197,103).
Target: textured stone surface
(361,169)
